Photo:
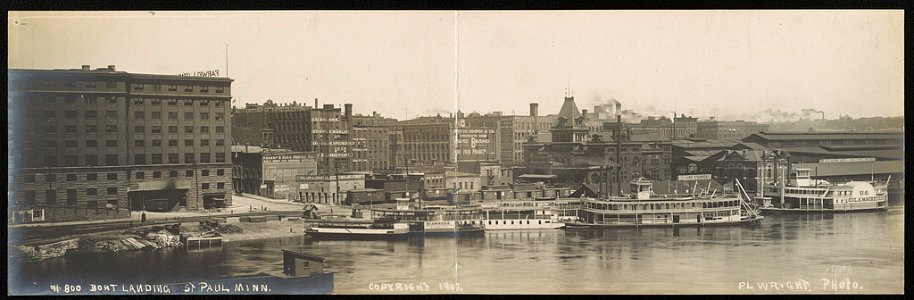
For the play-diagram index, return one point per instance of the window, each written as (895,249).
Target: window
(189,88)
(204,129)
(156,102)
(204,158)
(50,144)
(90,84)
(204,116)
(91,129)
(220,185)
(140,175)
(204,89)
(156,115)
(111,143)
(188,157)
(91,191)
(50,197)
(220,142)
(220,129)
(220,172)
(219,103)
(204,143)
(188,129)
(172,158)
(138,101)
(72,128)
(91,114)
(172,102)
(71,177)
(172,174)
(172,87)
(110,128)
(173,129)
(111,159)
(220,89)
(50,114)
(111,114)
(189,143)
(50,129)
(112,100)
(29,178)
(188,102)
(188,116)
(156,129)
(112,191)
(157,158)
(157,143)
(204,173)
(112,176)
(205,186)
(139,129)
(69,144)
(157,174)
(30,197)
(110,84)
(139,143)
(172,143)
(219,116)
(189,173)
(220,157)
(91,177)
(172,115)
(138,87)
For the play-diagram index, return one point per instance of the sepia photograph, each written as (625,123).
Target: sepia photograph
(430,152)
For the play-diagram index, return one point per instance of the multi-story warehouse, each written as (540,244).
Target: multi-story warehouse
(723,130)
(298,127)
(371,148)
(576,157)
(89,144)
(512,131)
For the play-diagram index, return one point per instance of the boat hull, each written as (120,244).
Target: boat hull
(356,236)
(747,221)
(819,211)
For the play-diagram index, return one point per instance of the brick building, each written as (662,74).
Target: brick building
(90,144)
(722,130)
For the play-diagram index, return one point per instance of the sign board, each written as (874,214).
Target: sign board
(207,73)
(476,144)
(303,186)
(843,160)
(694,177)
(263,186)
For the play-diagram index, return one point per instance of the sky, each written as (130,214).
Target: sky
(753,65)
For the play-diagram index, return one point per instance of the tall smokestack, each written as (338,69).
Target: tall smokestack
(534,109)
(315,102)
(347,110)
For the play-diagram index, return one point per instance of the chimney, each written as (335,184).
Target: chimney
(584,113)
(374,113)
(347,110)
(111,67)
(534,109)
(86,67)
(315,102)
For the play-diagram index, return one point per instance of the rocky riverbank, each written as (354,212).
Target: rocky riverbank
(160,236)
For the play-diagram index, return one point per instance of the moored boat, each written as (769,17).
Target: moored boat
(516,215)
(804,195)
(436,220)
(357,229)
(643,208)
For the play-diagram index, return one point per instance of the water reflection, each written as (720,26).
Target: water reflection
(625,260)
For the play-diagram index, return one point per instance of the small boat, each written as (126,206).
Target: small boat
(642,208)
(357,229)
(804,195)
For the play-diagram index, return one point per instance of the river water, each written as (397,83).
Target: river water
(839,253)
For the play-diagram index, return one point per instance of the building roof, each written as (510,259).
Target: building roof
(854,168)
(570,110)
(537,176)
(783,136)
(883,154)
